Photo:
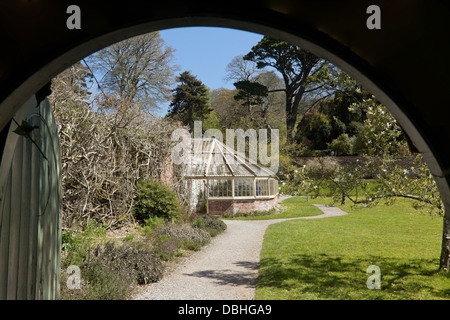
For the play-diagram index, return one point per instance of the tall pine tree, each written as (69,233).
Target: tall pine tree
(191,100)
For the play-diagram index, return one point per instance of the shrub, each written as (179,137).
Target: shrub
(256,213)
(321,164)
(183,232)
(75,246)
(67,240)
(191,245)
(203,206)
(141,265)
(98,282)
(155,199)
(209,223)
(342,145)
(151,223)
(315,130)
(360,145)
(167,248)
(105,283)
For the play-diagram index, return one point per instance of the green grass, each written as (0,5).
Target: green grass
(328,258)
(369,186)
(290,208)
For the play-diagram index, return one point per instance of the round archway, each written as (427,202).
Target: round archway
(404,63)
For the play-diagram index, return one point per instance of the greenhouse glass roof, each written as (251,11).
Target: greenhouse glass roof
(212,158)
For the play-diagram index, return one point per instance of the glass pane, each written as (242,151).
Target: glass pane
(262,188)
(219,187)
(243,187)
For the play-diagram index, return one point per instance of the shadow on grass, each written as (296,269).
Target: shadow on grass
(333,277)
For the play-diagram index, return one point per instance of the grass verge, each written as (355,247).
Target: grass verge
(290,208)
(328,258)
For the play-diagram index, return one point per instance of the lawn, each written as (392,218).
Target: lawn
(290,208)
(369,185)
(328,258)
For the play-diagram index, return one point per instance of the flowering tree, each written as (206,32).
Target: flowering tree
(369,181)
(381,175)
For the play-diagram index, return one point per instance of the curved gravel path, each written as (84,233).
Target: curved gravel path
(226,269)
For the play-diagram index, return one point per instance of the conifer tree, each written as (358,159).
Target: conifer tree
(191,100)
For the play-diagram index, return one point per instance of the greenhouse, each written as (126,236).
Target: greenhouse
(227,182)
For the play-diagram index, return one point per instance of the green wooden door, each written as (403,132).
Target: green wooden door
(30,205)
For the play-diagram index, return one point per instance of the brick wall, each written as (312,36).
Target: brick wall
(219,207)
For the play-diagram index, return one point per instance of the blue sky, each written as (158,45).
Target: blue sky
(206,51)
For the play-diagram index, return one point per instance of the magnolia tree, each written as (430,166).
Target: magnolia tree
(368,182)
(380,175)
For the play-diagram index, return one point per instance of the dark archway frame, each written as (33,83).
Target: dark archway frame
(404,64)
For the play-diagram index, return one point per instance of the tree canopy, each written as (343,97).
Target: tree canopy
(191,100)
(138,70)
(299,68)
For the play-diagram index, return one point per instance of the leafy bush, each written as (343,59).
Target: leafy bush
(191,245)
(315,130)
(141,265)
(110,272)
(75,245)
(342,145)
(183,232)
(198,222)
(209,223)
(203,206)
(152,223)
(167,248)
(104,283)
(154,199)
(360,145)
(98,282)
(256,213)
(67,240)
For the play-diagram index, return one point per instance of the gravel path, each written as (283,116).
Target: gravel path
(226,269)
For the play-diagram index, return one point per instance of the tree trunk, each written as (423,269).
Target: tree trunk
(343,199)
(290,124)
(290,117)
(445,250)
(292,103)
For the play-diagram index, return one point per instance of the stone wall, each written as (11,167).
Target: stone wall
(220,207)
